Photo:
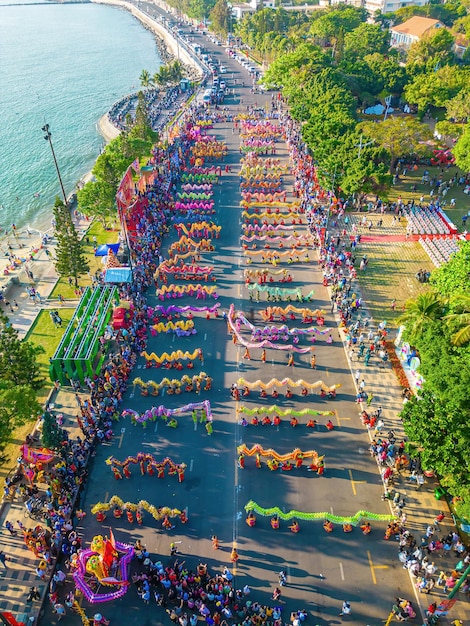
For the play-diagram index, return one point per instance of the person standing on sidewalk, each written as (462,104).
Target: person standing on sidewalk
(346,609)
(3,559)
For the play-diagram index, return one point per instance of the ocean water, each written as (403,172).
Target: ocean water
(64,64)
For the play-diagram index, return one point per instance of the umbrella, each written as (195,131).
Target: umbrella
(106,247)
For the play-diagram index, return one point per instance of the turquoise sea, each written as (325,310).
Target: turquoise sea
(65,64)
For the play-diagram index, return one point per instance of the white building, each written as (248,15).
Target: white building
(384,6)
(239,10)
(406,34)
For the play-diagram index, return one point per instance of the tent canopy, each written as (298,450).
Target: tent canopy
(118,275)
(106,247)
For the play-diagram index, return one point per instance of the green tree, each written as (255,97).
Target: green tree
(361,80)
(388,70)
(18,358)
(448,131)
(366,39)
(460,317)
(97,199)
(18,405)
(364,174)
(453,278)
(461,150)
(169,74)
(70,259)
(458,107)
(437,87)
(418,313)
(221,17)
(110,166)
(433,50)
(145,79)
(327,24)
(296,66)
(52,435)
(399,136)
(438,430)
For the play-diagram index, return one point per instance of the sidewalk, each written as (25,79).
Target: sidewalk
(421,505)
(15,284)
(16,580)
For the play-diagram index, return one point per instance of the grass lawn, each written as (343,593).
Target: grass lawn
(102,236)
(11,451)
(393,265)
(44,333)
(391,275)
(404,188)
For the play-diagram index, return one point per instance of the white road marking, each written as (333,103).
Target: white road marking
(191,465)
(156,426)
(341,571)
(205,336)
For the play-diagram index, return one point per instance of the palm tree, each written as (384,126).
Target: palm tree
(145,79)
(418,313)
(176,71)
(460,304)
(161,76)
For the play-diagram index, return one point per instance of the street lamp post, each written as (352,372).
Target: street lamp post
(48,137)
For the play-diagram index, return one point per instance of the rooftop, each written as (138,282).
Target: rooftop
(417,26)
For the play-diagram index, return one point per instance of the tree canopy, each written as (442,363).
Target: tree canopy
(366,39)
(328,23)
(453,278)
(437,421)
(20,379)
(18,364)
(97,198)
(69,257)
(221,17)
(461,150)
(399,136)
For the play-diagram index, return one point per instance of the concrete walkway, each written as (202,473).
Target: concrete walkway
(16,580)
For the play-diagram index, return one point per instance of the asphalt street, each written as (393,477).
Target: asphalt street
(323,569)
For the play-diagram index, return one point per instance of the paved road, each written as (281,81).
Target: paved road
(323,570)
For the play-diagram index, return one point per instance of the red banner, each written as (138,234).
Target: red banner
(126,190)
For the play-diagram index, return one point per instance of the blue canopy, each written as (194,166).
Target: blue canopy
(106,247)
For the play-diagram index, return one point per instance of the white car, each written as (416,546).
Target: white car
(223,69)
